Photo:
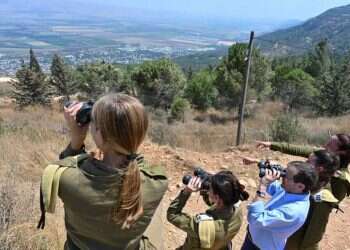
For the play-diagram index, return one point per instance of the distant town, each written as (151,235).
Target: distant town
(9,64)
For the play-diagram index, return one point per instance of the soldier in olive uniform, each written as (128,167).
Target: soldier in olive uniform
(109,199)
(332,191)
(215,228)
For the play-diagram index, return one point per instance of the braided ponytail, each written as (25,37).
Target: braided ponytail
(130,207)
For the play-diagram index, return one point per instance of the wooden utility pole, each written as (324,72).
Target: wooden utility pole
(244,94)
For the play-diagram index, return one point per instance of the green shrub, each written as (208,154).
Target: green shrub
(285,128)
(158,82)
(178,108)
(200,91)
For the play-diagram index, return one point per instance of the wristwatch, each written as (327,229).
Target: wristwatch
(260,194)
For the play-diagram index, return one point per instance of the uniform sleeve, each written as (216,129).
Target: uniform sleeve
(68,151)
(179,219)
(276,220)
(297,150)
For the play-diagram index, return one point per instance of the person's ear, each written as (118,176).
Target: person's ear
(301,187)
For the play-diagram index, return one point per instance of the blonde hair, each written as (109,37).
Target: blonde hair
(123,122)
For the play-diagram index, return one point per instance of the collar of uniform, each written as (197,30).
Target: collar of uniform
(97,170)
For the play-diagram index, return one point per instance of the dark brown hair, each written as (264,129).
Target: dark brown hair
(306,174)
(343,149)
(227,187)
(328,160)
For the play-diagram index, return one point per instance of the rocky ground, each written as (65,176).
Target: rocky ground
(179,162)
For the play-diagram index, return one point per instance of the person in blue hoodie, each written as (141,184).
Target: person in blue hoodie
(279,208)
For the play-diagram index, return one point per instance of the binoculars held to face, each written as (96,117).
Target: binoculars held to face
(202,174)
(83,115)
(263,165)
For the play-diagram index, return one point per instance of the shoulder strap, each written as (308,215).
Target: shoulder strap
(206,230)
(49,190)
(50,181)
(49,185)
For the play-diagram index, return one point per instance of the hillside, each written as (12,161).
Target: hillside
(202,59)
(333,25)
(31,138)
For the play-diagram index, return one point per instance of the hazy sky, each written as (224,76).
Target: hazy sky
(260,9)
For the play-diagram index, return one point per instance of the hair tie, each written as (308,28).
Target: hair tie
(242,192)
(132,156)
(241,187)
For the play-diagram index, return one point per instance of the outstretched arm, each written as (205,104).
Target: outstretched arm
(292,149)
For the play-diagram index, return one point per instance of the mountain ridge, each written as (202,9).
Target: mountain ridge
(333,25)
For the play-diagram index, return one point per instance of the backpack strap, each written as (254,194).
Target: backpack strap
(206,230)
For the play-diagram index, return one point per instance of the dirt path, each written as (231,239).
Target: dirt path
(179,162)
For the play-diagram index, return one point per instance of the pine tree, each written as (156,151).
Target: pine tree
(320,60)
(334,94)
(22,86)
(33,63)
(29,88)
(60,77)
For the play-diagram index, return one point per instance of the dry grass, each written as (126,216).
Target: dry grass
(31,138)
(214,131)
(5,86)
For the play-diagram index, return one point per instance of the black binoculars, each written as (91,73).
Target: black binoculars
(263,165)
(202,174)
(83,115)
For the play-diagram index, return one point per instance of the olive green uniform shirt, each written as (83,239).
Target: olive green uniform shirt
(90,193)
(311,233)
(227,223)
